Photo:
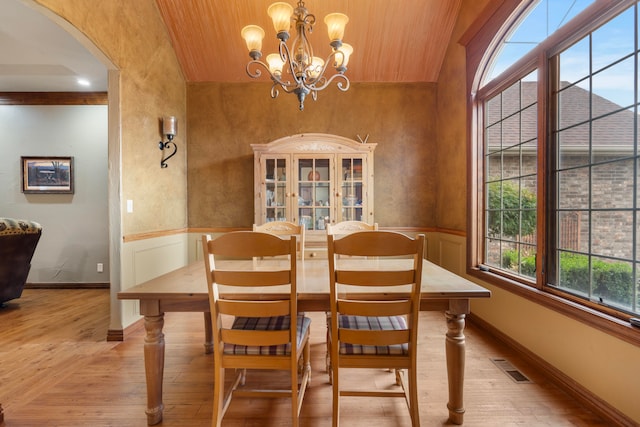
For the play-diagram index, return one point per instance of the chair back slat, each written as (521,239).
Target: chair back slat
(245,244)
(368,243)
(374,308)
(375,278)
(252,278)
(254,308)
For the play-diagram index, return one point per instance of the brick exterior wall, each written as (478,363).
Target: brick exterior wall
(611,175)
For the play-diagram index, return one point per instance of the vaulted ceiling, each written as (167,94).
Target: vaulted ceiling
(393,41)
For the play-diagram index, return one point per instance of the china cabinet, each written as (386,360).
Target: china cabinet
(313,179)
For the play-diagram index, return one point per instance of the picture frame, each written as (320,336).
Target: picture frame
(47,174)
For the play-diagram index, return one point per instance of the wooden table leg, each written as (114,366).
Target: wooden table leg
(455,350)
(154,366)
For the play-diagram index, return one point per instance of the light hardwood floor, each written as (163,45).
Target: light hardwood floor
(56,369)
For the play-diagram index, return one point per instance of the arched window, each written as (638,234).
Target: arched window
(557,147)
(539,21)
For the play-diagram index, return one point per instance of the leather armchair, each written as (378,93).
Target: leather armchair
(18,240)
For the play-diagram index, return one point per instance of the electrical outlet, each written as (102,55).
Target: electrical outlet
(100,267)
(129,206)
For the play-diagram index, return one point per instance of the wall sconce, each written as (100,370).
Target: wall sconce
(169,130)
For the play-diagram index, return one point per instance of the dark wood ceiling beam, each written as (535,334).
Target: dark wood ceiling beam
(53,98)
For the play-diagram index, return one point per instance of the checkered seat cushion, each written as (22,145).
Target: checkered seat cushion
(375,324)
(267,324)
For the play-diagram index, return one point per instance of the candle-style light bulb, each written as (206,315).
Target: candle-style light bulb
(169,124)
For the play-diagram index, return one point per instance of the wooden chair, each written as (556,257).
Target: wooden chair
(284,228)
(375,333)
(265,334)
(339,229)
(348,227)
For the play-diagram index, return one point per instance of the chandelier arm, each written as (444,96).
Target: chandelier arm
(331,58)
(319,82)
(286,57)
(343,86)
(256,65)
(274,90)
(310,21)
(283,50)
(287,86)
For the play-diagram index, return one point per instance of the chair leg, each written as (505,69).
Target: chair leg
(335,386)
(243,376)
(327,356)
(413,398)
(399,374)
(218,397)
(328,353)
(306,356)
(295,394)
(300,380)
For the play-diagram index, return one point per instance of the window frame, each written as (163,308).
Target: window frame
(480,48)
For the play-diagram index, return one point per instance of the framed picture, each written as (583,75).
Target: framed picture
(47,175)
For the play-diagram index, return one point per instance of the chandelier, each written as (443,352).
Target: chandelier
(294,69)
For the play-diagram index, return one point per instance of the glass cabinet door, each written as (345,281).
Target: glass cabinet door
(275,195)
(313,180)
(352,191)
(314,201)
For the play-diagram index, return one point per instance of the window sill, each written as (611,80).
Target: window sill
(606,323)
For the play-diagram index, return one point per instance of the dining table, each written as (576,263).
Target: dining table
(185,290)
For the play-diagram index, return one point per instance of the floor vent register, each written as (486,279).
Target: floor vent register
(513,373)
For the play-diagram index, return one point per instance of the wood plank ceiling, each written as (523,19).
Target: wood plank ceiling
(393,41)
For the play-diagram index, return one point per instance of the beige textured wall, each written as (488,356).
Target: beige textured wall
(131,34)
(451,205)
(224,119)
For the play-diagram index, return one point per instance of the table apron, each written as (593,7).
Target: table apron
(154,307)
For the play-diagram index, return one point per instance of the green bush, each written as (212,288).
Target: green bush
(612,281)
(510,259)
(517,207)
(527,263)
(574,272)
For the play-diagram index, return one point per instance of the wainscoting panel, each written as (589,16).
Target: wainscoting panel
(195,243)
(146,259)
(451,252)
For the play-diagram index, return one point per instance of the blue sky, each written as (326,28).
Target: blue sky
(611,42)
(547,17)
